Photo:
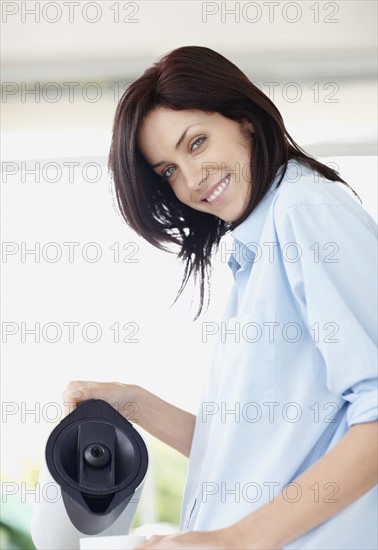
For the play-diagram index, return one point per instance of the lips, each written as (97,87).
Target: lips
(214,187)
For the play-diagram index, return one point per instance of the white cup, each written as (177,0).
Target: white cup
(123,542)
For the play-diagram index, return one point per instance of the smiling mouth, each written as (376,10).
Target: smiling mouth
(219,190)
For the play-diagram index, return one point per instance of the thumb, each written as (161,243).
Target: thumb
(72,399)
(84,393)
(76,395)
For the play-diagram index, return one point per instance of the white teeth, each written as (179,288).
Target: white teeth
(219,190)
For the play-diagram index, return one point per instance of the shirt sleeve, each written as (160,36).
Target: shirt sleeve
(330,260)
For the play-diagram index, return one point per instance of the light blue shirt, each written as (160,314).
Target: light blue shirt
(295,361)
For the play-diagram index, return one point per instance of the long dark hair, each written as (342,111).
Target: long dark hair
(194,77)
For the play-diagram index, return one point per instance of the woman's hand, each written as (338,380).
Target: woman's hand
(120,396)
(221,539)
(164,421)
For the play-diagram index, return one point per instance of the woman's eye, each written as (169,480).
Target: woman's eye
(167,174)
(199,139)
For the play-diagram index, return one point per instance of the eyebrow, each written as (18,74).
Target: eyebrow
(181,139)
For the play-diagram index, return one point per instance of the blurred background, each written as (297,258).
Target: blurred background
(69,260)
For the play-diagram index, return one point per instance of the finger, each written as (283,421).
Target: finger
(76,392)
(72,386)
(68,404)
(150,542)
(91,390)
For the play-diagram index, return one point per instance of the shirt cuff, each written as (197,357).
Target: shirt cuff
(363,399)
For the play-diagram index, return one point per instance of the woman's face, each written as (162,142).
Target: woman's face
(205,158)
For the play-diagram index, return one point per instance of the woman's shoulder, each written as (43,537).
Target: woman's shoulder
(302,188)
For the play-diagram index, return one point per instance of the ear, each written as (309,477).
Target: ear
(248,126)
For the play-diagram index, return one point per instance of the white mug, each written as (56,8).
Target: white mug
(123,542)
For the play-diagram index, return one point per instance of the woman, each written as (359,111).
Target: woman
(283,449)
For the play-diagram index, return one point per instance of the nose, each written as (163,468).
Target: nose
(194,176)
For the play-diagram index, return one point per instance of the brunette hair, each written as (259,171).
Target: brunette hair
(195,77)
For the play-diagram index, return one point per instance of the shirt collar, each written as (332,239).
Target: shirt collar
(249,231)
(247,234)
(233,264)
